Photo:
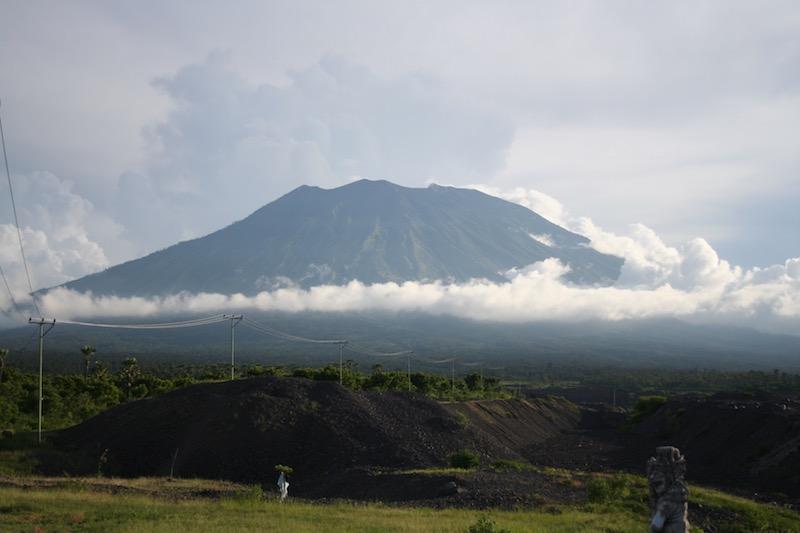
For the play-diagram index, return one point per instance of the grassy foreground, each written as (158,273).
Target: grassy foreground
(71,510)
(60,510)
(155,504)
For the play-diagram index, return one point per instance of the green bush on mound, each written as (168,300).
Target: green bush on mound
(509,465)
(465,459)
(485,525)
(646,406)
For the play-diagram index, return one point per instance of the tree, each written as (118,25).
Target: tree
(129,374)
(88,352)
(474,381)
(3,355)
(100,371)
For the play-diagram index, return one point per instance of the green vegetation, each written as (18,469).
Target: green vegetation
(465,459)
(616,488)
(158,504)
(71,398)
(509,465)
(72,510)
(485,525)
(284,469)
(471,386)
(647,405)
(746,515)
(660,381)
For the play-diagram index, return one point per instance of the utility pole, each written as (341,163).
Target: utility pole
(408,356)
(235,319)
(341,362)
(42,332)
(453,380)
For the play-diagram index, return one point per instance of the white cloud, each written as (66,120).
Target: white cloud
(633,112)
(533,293)
(658,280)
(235,145)
(59,244)
(544,238)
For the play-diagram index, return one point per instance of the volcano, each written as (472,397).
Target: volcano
(371,231)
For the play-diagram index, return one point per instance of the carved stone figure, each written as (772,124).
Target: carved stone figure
(668,492)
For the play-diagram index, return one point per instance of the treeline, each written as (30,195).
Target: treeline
(69,399)
(673,381)
(470,386)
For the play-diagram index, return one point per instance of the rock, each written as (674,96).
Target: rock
(449,489)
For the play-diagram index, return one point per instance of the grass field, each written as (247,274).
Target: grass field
(74,510)
(157,504)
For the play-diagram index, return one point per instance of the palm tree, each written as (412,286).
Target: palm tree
(3,355)
(129,374)
(88,352)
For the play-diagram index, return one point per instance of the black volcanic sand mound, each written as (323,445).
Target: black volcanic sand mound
(746,443)
(520,423)
(734,439)
(239,430)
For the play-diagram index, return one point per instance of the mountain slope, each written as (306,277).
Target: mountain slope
(372,231)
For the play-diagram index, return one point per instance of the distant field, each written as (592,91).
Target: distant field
(153,505)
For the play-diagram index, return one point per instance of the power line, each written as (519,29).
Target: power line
(435,361)
(368,353)
(160,325)
(8,288)
(266,330)
(16,218)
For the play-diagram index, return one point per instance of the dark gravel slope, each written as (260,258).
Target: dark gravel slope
(240,430)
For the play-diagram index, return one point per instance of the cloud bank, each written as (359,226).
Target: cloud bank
(689,282)
(768,298)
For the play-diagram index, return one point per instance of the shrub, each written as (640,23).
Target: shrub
(485,525)
(508,465)
(285,469)
(464,459)
(462,420)
(607,489)
(646,406)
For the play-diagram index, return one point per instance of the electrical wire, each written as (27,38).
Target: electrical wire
(435,361)
(16,218)
(161,325)
(266,330)
(8,288)
(350,348)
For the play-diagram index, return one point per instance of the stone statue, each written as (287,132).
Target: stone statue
(668,492)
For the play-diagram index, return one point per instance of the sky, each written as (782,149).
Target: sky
(131,126)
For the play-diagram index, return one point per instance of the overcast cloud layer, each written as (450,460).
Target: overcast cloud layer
(130,127)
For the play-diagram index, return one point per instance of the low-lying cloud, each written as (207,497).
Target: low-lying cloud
(689,282)
(765,298)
